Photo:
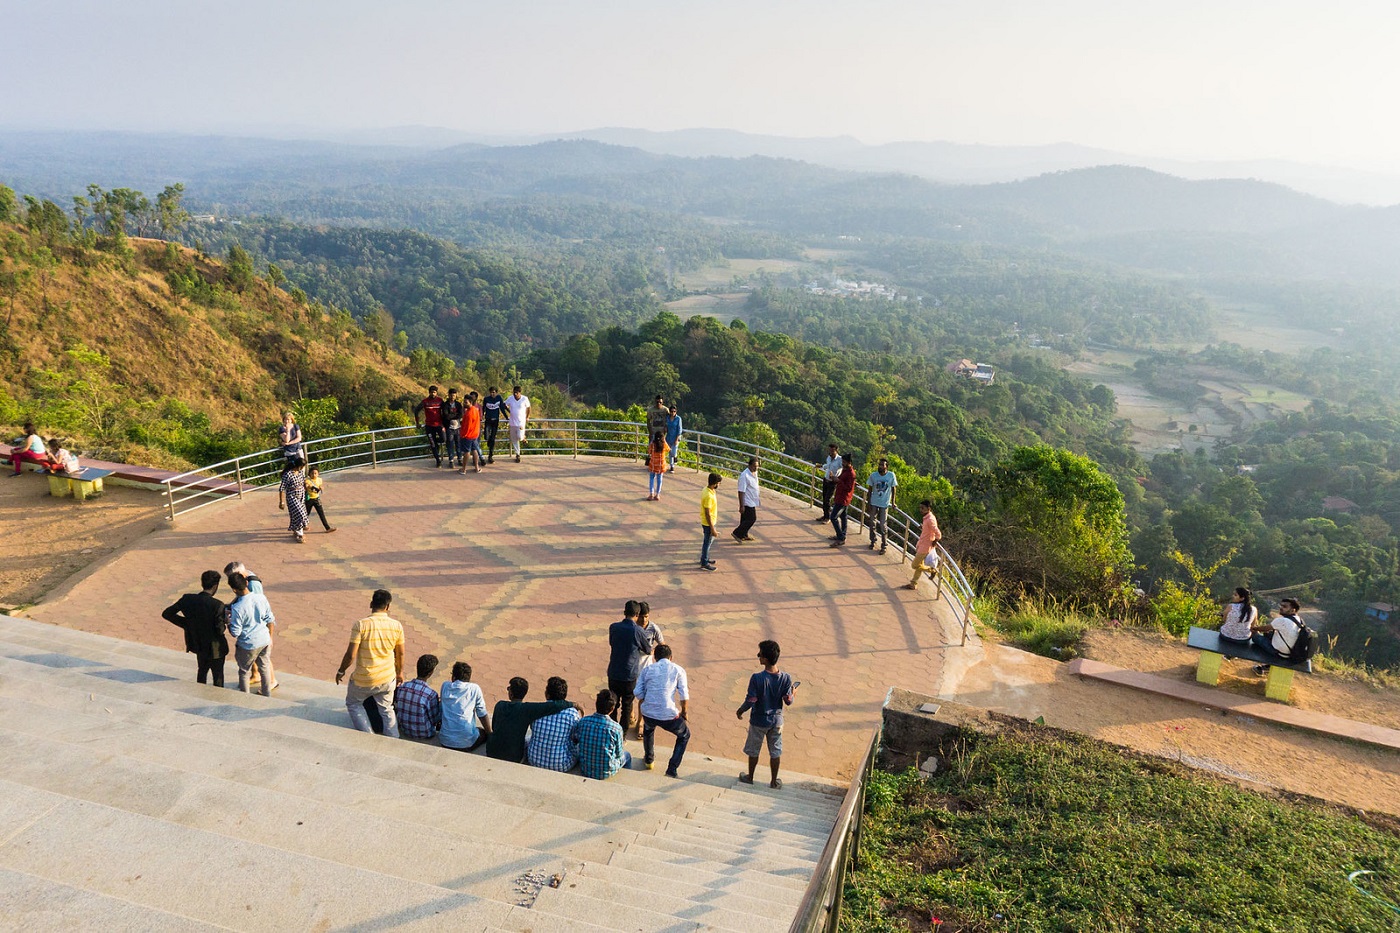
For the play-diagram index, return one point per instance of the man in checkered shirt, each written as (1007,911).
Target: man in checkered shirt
(599,741)
(549,745)
(417,705)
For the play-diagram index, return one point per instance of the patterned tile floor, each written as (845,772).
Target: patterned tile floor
(519,571)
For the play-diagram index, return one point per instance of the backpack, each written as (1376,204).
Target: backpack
(1304,645)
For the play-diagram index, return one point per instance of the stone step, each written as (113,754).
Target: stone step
(409,762)
(796,875)
(692,827)
(38,905)
(755,843)
(740,799)
(745,827)
(640,893)
(663,872)
(358,837)
(750,821)
(215,879)
(569,903)
(728,855)
(798,789)
(700,890)
(201,746)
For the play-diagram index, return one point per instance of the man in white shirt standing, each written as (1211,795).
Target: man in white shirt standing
(658,687)
(748,501)
(831,472)
(518,408)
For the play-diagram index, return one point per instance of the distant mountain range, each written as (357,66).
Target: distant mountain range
(1127,214)
(951,163)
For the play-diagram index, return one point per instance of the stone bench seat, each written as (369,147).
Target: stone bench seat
(81,485)
(1215,649)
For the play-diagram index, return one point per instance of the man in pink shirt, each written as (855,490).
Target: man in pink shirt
(928,537)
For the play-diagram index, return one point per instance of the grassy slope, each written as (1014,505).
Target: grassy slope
(237,359)
(1041,830)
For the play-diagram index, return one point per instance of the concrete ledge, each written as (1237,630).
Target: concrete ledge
(139,477)
(1320,723)
(912,735)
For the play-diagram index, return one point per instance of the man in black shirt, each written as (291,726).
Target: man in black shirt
(452,411)
(491,412)
(511,718)
(203,618)
(627,642)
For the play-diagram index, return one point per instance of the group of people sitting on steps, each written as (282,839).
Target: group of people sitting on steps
(553,734)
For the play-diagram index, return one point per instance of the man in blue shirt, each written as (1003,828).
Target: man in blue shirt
(673,436)
(627,642)
(250,624)
(881,484)
(599,741)
(769,691)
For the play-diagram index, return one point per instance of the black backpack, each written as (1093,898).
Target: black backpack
(1305,644)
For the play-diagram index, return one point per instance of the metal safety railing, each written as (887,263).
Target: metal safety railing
(780,472)
(820,909)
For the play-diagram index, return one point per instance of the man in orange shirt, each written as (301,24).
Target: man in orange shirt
(471,434)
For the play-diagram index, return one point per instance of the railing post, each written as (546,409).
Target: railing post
(637,441)
(575,440)
(699,456)
(373,453)
(170,500)
(238,478)
(904,551)
(813,486)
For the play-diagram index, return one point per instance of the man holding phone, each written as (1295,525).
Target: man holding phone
(769,691)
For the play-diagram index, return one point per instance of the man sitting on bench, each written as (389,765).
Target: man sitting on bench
(1279,635)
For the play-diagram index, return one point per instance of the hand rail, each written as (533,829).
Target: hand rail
(820,908)
(703,451)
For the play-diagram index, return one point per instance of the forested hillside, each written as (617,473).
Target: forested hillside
(143,348)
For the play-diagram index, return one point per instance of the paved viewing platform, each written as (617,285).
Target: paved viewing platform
(520,569)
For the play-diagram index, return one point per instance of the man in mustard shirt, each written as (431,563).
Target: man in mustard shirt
(709,514)
(376,650)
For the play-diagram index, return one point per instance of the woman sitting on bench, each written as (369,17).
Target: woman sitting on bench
(30,449)
(61,461)
(1237,622)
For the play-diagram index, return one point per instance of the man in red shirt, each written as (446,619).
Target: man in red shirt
(431,410)
(841,500)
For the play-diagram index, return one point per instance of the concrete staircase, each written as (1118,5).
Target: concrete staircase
(133,798)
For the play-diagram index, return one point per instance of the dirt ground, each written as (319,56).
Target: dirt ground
(1240,748)
(49,540)
(1155,653)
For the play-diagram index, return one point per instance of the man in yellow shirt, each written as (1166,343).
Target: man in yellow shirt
(709,514)
(376,650)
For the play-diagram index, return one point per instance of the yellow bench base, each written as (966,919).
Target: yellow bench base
(77,487)
(1277,687)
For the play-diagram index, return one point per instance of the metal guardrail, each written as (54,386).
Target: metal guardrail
(792,476)
(820,909)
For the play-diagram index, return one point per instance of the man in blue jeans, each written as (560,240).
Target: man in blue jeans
(659,686)
(673,436)
(881,484)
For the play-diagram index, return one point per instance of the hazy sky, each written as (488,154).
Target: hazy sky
(1289,79)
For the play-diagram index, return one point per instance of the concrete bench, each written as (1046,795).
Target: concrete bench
(1215,649)
(80,485)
